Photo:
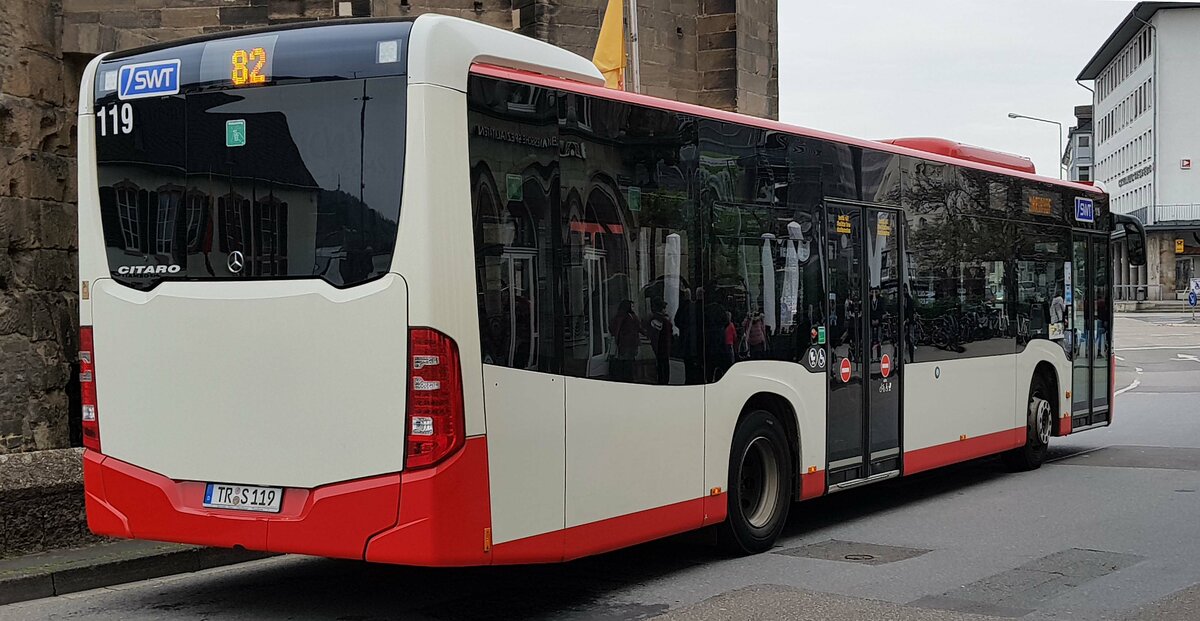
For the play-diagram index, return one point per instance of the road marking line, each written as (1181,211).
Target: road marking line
(1187,357)
(1128,388)
(1119,358)
(1138,369)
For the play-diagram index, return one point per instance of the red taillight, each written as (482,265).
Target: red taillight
(436,425)
(87,390)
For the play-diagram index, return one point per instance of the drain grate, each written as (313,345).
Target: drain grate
(853,552)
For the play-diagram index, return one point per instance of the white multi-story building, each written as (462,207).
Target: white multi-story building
(1146,138)
(1077,159)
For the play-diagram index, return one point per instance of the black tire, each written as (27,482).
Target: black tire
(1039,424)
(760,484)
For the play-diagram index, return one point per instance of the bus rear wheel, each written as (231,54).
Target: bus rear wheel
(1038,426)
(760,482)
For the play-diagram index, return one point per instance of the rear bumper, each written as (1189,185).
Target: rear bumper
(443,519)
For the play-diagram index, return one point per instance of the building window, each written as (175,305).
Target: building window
(1084,141)
(1085,173)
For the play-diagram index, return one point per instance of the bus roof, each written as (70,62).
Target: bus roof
(971,153)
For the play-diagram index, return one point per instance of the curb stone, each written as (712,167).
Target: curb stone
(107,564)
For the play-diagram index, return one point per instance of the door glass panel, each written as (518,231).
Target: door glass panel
(1101,325)
(883,322)
(1080,328)
(846,342)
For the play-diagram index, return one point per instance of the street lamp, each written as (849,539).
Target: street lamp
(1014,115)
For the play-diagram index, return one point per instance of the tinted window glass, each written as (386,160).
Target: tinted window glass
(1043,255)
(764,290)
(514,193)
(881,177)
(959,280)
(296,180)
(632,251)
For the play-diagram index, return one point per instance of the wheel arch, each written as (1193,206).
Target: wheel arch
(783,409)
(1046,372)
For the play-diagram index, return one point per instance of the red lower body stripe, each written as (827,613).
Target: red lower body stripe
(436,517)
(613,533)
(962,450)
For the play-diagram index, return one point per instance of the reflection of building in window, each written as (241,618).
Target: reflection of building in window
(520,265)
(508,270)
(164,224)
(270,255)
(233,209)
(523,98)
(584,111)
(595,266)
(196,213)
(600,240)
(127,209)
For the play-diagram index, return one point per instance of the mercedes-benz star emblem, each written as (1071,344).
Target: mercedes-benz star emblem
(236,261)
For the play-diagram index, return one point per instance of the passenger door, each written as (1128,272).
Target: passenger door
(865,370)
(1091,329)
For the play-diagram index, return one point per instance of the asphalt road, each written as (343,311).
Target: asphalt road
(1109,530)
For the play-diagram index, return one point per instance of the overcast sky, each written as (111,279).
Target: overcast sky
(947,68)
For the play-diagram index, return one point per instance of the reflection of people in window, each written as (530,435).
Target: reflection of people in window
(756,335)
(659,329)
(727,353)
(625,328)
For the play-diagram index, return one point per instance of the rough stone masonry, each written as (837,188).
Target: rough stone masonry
(719,53)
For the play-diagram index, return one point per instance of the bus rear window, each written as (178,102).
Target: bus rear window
(293,180)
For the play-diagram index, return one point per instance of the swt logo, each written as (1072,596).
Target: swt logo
(151,79)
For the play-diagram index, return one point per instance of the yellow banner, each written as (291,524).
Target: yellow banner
(610,46)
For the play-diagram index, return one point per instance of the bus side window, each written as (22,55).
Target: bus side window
(631,243)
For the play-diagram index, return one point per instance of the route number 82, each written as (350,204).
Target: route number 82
(246,67)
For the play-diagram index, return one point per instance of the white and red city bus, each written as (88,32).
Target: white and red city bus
(424,292)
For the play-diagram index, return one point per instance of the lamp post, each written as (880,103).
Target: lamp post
(1014,115)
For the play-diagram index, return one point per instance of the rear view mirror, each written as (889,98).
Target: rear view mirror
(1135,237)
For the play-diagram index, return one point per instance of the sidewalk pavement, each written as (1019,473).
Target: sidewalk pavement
(106,564)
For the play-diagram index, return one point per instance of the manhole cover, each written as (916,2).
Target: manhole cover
(853,552)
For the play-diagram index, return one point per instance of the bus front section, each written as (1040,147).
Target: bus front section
(249,374)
